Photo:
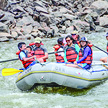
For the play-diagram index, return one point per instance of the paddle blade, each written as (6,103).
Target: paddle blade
(10,71)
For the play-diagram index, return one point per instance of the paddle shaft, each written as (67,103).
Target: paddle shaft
(100,49)
(55,52)
(18,59)
(8,60)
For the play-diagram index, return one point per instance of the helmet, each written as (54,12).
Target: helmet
(83,39)
(106,34)
(60,41)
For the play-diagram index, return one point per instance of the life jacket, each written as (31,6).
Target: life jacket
(90,45)
(25,63)
(39,52)
(89,58)
(71,53)
(107,47)
(59,58)
(17,53)
(34,44)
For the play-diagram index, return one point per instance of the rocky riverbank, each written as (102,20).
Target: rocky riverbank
(27,19)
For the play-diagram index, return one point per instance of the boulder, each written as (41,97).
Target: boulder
(104,21)
(100,4)
(3,27)
(4,39)
(27,29)
(7,35)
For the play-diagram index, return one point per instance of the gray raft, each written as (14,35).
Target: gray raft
(57,74)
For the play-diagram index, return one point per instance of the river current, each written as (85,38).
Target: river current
(12,97)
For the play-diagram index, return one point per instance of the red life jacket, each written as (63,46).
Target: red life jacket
(90,45)
(71,54)
(34,44)
(25,63)
(59,58)
(89,58)
(107,47)
(39,52)
(30,54)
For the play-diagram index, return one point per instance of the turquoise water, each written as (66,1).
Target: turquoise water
(12,97)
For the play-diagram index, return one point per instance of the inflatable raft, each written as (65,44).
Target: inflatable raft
(58,74)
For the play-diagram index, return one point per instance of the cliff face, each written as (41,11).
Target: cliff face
(3,3)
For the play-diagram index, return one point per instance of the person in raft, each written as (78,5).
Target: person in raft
(75,36)
(26,59)
(104,59)
(84,58)
(40,52)
(70,50)
(30,52)
(60,49)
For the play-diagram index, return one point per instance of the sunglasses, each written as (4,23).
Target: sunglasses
(68,40)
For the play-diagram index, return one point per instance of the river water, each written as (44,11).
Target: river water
(12,97)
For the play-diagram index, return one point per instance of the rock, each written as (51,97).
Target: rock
(27,36)
(69,29)
(14,34)
(54,27)
(41,9)
(27,29)
(5,35)
(50,33)
(7,17)
(25,21)
(99,29)
(37,34)
(100,4)
(3,27)
(45,18)
(67,23)
(29,10)
(81,26)
(70,17)
(104,21)
(4,39)
(3,3)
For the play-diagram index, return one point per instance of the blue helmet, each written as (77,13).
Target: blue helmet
(60,41)
(83,39)
(106,34)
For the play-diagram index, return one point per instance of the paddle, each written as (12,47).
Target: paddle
(105,66)
(10,71)
(100,49)
(18,59)
(8,60)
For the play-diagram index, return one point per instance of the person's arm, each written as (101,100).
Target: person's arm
(61,53)
(24,58)
(86,51)
(46,54)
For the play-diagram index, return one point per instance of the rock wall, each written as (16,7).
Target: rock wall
(26,19)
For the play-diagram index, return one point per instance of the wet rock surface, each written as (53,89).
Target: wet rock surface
(27,19)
